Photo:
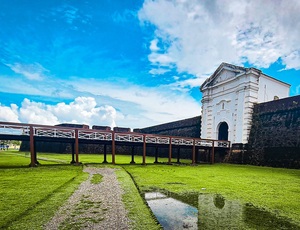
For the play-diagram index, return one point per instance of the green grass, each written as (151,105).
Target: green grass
(274,189)
(75,221)
(30,196)
(138,212)
(45,188)
(96,179)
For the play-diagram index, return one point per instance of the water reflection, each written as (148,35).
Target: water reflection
(205,211)
(218,213)
(172,213)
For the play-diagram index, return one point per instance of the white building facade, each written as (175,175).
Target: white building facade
(228,96)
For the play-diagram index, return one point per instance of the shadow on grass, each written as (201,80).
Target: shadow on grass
(33,206)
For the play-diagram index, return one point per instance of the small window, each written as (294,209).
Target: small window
(223,106)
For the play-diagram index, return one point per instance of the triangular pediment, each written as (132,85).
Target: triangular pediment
(223,73)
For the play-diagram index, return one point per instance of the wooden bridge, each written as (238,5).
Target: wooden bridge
(35,133)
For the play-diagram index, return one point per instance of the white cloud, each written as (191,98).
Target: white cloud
(153,45)
(83,110)
(9,113)
(142,106)
(37,113)
(31,72)
(158,71)
(292,61)
(197,36)
(187,84)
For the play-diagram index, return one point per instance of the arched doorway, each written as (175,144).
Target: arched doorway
(223,131)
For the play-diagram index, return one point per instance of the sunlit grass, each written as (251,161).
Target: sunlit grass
(96,179)
(138,212)
(274,189)
(30,196)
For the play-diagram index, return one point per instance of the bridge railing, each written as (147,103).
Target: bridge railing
(222,144)
(129,137)
(53,132)
(95,135)
(203,143)
(105,135)
(14,128)
(182,141)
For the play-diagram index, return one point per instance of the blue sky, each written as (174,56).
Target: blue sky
(134,63)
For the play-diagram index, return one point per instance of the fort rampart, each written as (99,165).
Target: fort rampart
(275,134)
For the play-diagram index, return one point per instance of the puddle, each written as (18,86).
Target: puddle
(205,211)
(172,213)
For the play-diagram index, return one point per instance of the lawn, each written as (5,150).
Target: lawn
(30,196)
(276,190)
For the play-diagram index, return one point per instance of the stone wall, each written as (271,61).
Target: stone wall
(275,134)
(190,127)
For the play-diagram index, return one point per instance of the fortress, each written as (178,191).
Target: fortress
(242,105)
(229,95)
(250,109)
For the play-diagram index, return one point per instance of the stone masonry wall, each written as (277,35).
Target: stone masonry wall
(275,134)
(190,127)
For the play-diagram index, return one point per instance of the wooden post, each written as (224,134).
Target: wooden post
(213,153)
(194,153)
(156,154)
(144,150)
(170,151)
(113,149)
(178,154)
(104,153)
(31,140)
(132,155)
(35,154)
(76,146)
(73,153)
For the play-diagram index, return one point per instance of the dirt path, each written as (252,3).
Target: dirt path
(93,206)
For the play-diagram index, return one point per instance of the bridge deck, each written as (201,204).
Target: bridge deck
(35,132)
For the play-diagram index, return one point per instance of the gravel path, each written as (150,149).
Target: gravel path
(93,206)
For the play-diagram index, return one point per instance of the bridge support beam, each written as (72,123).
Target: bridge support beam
(144,149)
(156,155)
(113,149)
(32,153)
(35,154)
(76,147)
(213,153)
(170,151)
(194,153)
(104,153)
(73,153)
(132,155)
(178,154)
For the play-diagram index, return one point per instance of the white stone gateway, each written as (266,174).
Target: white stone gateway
(228,96)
